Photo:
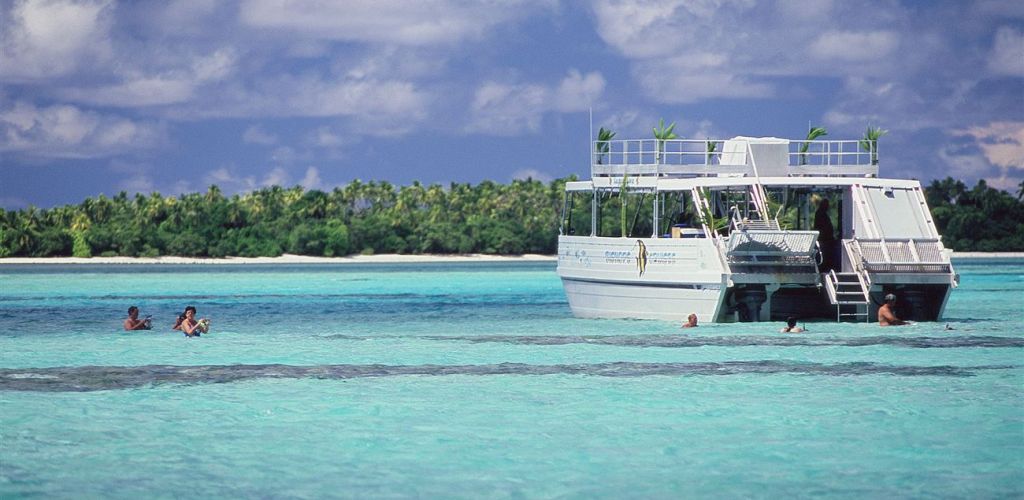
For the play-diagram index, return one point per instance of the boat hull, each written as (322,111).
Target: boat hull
(646,278)
(596,299)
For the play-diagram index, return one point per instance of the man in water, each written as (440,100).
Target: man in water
(791,326)
(887,313)
(691,321)
(134,323)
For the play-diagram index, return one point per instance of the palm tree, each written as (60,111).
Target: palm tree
(711,146)
(870,142)
(603,146)
(662,134)
(812,134)
(79,226)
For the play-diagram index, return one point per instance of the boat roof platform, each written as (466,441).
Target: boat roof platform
(736,157)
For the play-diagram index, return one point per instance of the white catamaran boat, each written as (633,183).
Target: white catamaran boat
(736,230)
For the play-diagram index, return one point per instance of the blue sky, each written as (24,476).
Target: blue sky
(99,96)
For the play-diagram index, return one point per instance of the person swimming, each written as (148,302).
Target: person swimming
(134,323)
(691,321)
(192,327)
(177,323)
(791,326)
(887,313)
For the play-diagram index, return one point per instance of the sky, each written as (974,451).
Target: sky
(100,96)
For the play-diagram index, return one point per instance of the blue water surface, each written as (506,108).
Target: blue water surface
(475,381)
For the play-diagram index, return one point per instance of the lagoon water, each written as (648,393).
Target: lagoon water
(474,381)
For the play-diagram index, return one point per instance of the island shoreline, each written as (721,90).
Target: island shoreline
(284,259)
(360,259)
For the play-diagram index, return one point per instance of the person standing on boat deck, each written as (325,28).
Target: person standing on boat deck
(826,235)
(691,321)
(887,313)
(134,323)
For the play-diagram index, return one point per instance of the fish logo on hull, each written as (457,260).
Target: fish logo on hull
(641,257)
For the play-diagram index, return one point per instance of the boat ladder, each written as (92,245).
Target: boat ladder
(849,293)
(754,213)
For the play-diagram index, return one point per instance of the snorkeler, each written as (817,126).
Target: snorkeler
(134,323)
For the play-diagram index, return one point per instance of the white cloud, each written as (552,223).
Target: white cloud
(327,138)
(49,38)
(962,164)
(172,87)
(277,176)
(312,179)
(256,135)
(531,173)
(804,11)
(1007,56)
(311,96)
(139,183)
(686,85)
(578,92)
(1002,143)
(227,179)
(143,91)
(423,22)
(181,16)
(854,46)
(511,109)
(132,177)
(231,182)
(658,28)
(65,131)
(500,109)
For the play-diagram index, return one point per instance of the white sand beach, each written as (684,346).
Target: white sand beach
(284,259)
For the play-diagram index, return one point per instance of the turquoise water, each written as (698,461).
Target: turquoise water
(471,381)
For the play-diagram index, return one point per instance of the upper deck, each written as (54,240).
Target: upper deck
(736,157)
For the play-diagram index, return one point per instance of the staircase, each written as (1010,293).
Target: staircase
(849,294)
(753,215)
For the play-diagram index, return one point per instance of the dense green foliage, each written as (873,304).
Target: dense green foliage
(981,219)
(516,218)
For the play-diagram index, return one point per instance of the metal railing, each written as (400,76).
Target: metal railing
(899,255)
(714,156)
(656,152)
(832,153)
(787,248)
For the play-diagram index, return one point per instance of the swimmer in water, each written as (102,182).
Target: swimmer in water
(134,323)
(192,327)
(791,326)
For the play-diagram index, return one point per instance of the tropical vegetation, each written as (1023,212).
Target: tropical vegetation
(869,142)
(377,217)
(373,217)
(662,134)
(812,134)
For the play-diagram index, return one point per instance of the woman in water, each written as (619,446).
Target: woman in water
(190,326)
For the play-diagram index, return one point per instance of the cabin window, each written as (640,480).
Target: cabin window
(576,213)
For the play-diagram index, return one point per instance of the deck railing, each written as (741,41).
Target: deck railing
(752,251)
(832,153)
(902,255)
(717,156)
